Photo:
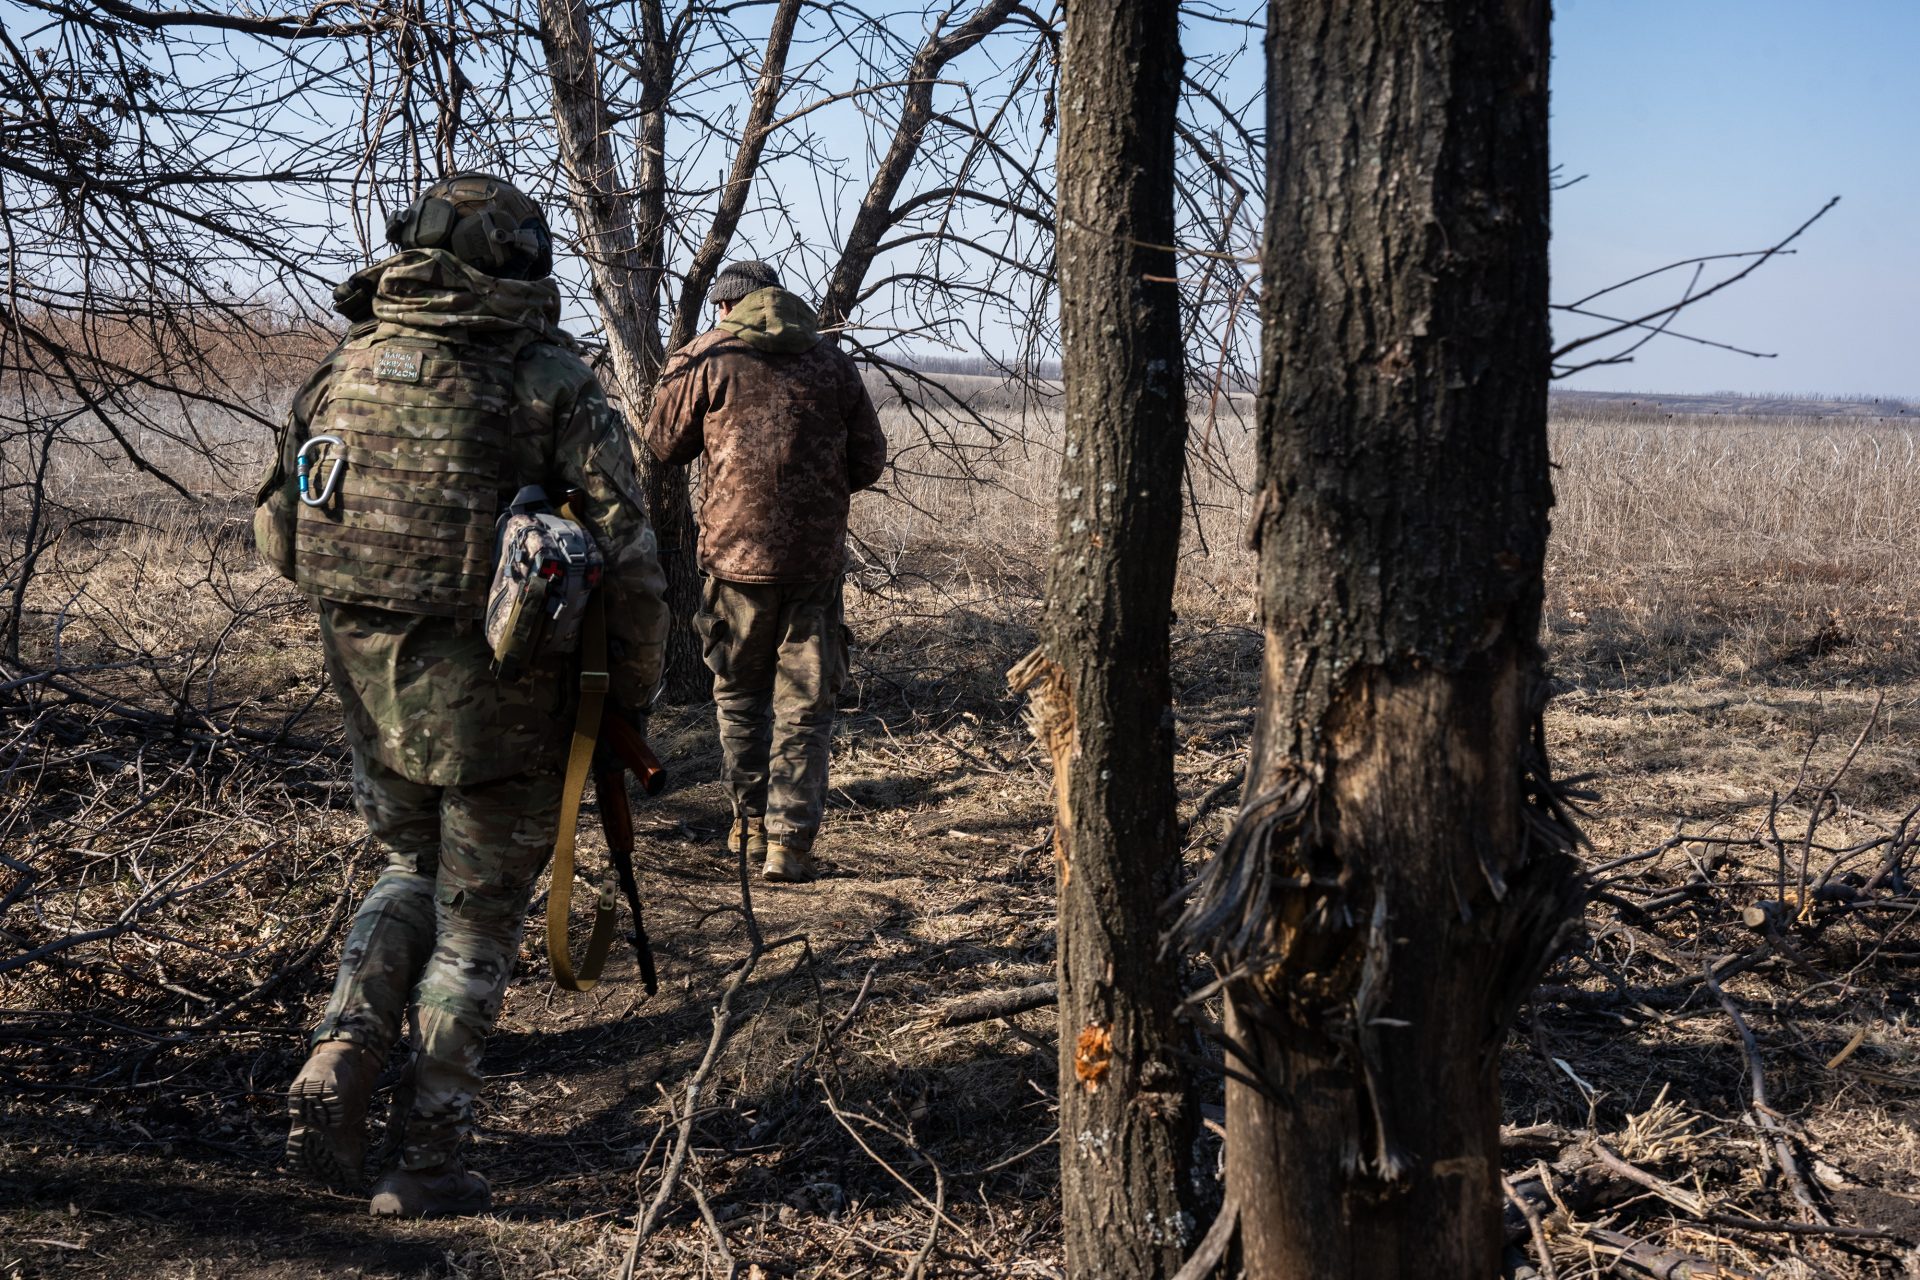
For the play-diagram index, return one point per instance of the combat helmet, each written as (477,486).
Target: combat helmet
(485,221)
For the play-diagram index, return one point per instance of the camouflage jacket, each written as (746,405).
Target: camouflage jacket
(418,691)
(788,431)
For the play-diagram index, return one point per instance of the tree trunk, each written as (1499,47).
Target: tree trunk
(669,495)
(624,275)
(1099,684)
(1400,868)
(670,500)
(623,238)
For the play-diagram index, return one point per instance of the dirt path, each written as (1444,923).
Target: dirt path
(939,886)
(927,890)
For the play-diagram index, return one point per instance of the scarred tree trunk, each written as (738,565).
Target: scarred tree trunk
(1099,683)
(1400,866)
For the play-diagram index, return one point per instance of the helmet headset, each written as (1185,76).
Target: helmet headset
(481,220)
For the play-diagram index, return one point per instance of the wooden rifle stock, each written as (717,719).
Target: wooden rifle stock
(616,815)
(625,742)
(625,750)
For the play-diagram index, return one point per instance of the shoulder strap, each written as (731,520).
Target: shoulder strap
(586,729)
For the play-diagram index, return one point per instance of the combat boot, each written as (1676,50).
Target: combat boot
(748,836)
(788,864)
(327,1105)
(449,1190)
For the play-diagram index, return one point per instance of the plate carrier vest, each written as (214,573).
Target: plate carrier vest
(410,525)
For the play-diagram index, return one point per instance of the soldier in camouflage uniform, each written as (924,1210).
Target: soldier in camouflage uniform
(453,388)
(788,432)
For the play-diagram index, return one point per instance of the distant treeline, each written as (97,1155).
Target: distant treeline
(1626,404)
(978,365)
(1733,404)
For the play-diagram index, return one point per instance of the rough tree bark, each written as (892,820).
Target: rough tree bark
(623,260)
(623,233)
(1099,684)
(622,239)
(1400,868)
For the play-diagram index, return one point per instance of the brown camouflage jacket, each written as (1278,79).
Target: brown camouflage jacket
(788,431)
(418,692)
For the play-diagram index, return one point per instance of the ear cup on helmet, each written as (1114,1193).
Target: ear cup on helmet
(480,241)
(433,223)
(397,223)
(540,259)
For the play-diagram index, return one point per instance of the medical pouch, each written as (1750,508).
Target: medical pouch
(546,567)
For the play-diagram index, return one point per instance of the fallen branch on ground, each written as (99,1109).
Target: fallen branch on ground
(689,1110)
(998,1004)
(1763,1112)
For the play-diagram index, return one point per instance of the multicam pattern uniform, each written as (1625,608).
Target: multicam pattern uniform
(788,432)
(457,773)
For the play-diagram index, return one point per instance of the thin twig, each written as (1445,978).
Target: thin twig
(1535,1228)
(1679,1197)
(757,947)
(1763,1112)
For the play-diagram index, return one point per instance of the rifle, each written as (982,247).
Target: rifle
(605,745)
(624,749)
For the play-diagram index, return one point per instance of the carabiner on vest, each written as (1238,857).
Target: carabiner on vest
(301,462)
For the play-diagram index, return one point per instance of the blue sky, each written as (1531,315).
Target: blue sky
(1702,126)
(1714,125)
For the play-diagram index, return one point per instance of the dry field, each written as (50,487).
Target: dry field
(1732,618)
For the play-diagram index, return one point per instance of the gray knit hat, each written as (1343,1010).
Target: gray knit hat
(738,279)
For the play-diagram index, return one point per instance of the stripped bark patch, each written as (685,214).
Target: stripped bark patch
(1050,719)
(1092,1056)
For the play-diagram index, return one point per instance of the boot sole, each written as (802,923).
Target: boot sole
(317,1142)
(388,1204)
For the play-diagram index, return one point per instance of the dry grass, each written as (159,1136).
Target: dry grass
(1737,549)
(1721,595)
(974,504)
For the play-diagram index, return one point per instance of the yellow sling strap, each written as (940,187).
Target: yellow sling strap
(586,729)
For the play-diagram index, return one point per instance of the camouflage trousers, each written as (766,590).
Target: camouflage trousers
(437,935)
(778,653)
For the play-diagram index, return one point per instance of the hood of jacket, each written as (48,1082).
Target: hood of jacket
(773,320)
(431,290)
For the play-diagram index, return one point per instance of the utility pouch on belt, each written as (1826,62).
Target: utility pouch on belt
(546,567)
